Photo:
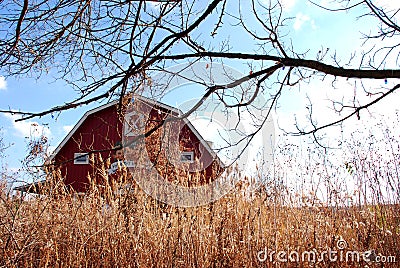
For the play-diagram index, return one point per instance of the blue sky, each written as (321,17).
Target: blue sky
(310,27)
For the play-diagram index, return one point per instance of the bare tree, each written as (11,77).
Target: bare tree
(105,49)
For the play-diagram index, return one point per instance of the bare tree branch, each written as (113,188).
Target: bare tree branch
(355,112)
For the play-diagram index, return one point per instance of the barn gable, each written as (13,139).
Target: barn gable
(97,132)
(105,110)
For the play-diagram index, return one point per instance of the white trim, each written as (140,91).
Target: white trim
(146,100)
(187,122)
(184,159)
(77,157)
(102,107)
(203,142)
(75,128)
(157,103)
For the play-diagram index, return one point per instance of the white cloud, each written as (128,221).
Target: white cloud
(389,4)
(390,7)
(68,128)
(3,83)
(28,128)
(322,95)
(287,5)
(301,19)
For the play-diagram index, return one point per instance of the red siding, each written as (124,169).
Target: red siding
(99,133)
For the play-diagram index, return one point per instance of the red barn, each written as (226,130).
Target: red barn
(99,134)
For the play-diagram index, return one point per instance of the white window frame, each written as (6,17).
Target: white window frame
(80,162)
(184,159)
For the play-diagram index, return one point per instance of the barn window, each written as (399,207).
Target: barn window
(81,158)
(187,157)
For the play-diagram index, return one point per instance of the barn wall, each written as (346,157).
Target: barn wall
(101,130)
(186,173)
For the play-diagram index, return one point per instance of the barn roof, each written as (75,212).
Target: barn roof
(144,99)
(34,188)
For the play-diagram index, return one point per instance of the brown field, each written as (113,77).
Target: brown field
(270,225)
(136,231)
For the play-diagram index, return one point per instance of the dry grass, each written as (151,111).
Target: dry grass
(133,230)
(137,232)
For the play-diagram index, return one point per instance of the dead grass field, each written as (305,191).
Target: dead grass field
(69,231)
(269,226)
